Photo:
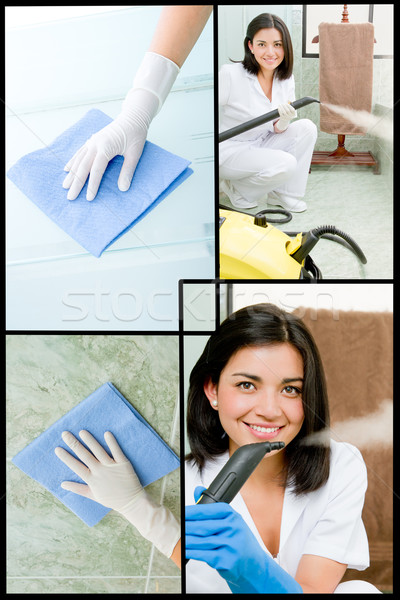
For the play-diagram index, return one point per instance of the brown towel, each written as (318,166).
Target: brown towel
(357,352)
(346,53)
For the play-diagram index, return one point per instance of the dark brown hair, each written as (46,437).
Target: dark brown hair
(259,325)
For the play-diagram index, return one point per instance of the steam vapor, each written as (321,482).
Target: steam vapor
(359,431)
(376,126)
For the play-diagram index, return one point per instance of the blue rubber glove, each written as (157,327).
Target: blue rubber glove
(218,535)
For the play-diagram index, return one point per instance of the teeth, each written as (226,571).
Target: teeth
(264,429)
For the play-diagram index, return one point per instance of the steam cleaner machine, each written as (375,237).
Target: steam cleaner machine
(251,247)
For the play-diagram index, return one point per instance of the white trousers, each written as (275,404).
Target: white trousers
(356,587)
(276,162)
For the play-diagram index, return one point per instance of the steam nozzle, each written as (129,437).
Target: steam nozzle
(235,473)
(304,101)
(237,470)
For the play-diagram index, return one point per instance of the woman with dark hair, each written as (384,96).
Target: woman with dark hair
(272,160)
(296,524)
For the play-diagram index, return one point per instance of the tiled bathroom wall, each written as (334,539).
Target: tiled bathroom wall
(49,549)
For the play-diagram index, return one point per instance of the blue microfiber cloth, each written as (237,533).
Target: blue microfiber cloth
(104,410)
(97,224)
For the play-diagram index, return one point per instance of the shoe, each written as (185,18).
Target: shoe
(291,204)
(235,198)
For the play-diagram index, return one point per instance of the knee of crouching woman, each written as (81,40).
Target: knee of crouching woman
(307,128)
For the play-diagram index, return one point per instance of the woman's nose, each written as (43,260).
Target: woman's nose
(268,405)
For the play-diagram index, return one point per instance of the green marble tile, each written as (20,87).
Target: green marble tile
(49,549)
(167,585)
(48,375)
(162,566)
(84,585)
(310,70)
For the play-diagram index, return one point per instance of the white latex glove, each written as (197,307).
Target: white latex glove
(126,135)
(286,114)
(112,481)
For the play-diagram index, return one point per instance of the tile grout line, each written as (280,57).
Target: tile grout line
(163,486)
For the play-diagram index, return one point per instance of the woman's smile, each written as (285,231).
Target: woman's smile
(263,432)
(270,60)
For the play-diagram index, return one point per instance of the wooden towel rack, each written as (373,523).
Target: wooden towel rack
(341,153)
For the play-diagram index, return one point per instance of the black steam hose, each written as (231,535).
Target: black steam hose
(273,114)
(310,238)
(287,216)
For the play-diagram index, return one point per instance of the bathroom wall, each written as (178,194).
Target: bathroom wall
(49,549)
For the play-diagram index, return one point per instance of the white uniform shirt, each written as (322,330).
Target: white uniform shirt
(325,523)
(241,98)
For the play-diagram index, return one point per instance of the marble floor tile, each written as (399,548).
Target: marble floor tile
(82,585)
(49,549)
(164,585)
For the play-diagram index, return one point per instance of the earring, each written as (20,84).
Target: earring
(215,402)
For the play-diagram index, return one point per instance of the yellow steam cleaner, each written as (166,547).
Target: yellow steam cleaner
(252,248)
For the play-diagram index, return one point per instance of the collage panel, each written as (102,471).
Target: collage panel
(289,441)
(122,87)
(305,141)
(93,425)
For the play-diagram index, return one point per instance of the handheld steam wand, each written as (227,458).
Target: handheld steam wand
(273,114)
(237,470)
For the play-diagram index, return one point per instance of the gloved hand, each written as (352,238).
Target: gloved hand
(112,481)
(286,114)
(126,135)
(218,535)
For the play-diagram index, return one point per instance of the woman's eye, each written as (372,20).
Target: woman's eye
(246,385)
(292,391)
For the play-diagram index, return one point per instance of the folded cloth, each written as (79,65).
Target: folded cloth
(97,224)
(346,52)
(104,410)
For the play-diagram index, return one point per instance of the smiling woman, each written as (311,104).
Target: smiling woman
(254,398)
(296,524)
(259,340)
(269,162)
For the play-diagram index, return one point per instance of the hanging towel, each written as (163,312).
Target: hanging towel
(106,409)
(97,224)
(346,53)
